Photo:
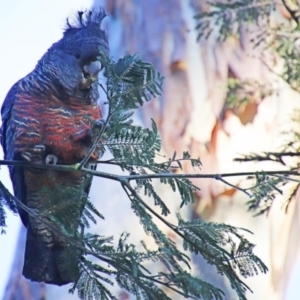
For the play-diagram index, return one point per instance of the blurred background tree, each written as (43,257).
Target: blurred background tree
(222,97)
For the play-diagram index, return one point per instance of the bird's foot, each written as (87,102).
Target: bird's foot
(51,159)
(39,148)
(27,156)
(99,124)
(35,154)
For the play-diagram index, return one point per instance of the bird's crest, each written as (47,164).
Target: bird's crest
(85,19)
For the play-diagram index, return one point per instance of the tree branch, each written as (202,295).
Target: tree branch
(121,178)
(293,12)
(175,228)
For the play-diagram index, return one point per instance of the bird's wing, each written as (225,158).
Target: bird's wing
(7,135)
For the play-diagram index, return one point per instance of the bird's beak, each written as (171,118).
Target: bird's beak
(92,68)
(90,74)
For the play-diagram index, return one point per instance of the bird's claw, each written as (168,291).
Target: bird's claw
(51,159)
(39,148)
(34,153)
(99,123)
(27,156)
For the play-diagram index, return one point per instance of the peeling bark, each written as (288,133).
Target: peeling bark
(192,115)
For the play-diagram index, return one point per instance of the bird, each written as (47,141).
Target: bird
(49,117)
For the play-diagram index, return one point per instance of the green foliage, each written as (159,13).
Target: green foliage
(264,191)
(226,18)
(242,92)
(130,83)
(6,200)
(64,214)
(211,240)
(135,149)
(132,274)
(285,183)
(75,212)
(267,187)
(288,49)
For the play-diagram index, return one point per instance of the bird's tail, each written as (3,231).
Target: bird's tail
(50,263)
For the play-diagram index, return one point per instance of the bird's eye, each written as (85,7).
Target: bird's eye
(77,55)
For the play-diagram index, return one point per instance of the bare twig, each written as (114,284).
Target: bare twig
(293,12)
(218,177)
(268,156)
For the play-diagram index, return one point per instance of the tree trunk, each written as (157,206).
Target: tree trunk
(192,115)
